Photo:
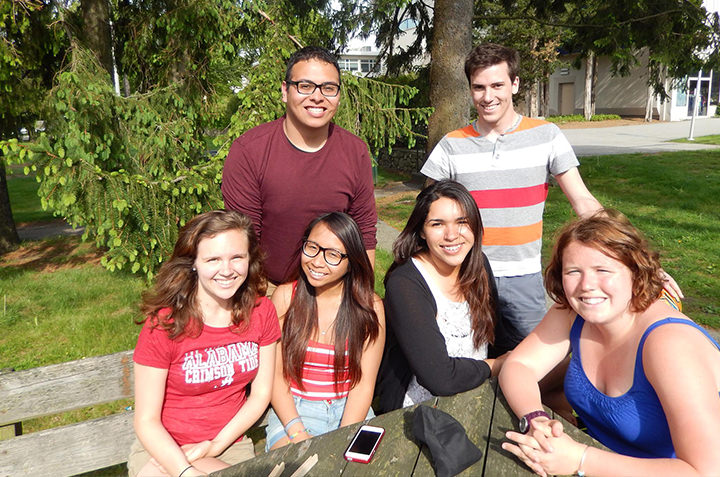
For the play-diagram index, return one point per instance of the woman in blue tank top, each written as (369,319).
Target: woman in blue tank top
(643,377)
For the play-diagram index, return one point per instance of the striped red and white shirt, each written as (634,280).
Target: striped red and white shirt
(318,376)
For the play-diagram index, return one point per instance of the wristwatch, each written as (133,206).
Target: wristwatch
(524,424)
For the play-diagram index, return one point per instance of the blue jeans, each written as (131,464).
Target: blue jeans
(318,417)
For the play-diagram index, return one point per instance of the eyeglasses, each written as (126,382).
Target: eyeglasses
(332,257)
(306,88)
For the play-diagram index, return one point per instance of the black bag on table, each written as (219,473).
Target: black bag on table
(451,450)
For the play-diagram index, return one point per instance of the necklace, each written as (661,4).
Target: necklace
(322,333)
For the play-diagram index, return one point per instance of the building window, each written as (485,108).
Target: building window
(407,24)
(367,65)
(348,64)
(715,88)
(681,98)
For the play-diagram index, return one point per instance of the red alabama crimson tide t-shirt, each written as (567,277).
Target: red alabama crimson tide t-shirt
(207,375)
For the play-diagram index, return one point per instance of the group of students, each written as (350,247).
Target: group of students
(642,376)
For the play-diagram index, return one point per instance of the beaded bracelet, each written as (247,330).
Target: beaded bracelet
(291,422)
(294,435)
(185,470)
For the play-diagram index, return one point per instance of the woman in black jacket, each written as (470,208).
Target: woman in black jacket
(440,302)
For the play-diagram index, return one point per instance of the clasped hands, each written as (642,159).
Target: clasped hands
(546,449)
(194,452)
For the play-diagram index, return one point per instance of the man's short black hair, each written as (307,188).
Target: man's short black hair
(311,53)
(491,54)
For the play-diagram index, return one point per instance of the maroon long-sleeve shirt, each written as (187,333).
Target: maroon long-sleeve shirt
(283,188)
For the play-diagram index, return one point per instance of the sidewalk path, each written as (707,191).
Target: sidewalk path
(43,230)
(648,137)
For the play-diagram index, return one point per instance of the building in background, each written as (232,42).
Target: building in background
(628,95)
(362,57)
(361,60)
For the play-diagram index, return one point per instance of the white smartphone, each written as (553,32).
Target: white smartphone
(363,446)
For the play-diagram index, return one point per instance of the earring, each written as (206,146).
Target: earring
(194,269)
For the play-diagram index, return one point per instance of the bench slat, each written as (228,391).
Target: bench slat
(63,387)
(69,450)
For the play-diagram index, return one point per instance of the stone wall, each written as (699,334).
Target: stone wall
(402,159)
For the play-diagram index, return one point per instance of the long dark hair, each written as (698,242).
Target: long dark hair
(473,278)
(356,320)
(171,303)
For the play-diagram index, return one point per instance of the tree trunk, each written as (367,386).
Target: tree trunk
(543,103)
(650,97)
(593,87)
(449,91)
(587,102)
(649,105)
(8,234)
(96,20)
(531,98)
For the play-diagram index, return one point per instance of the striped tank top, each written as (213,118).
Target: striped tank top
(318,376)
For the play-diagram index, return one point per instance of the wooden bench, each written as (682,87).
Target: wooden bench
(75,448)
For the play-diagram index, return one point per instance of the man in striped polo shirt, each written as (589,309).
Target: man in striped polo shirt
(505,161)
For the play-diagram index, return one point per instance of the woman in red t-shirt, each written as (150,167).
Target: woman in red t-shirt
(333,336)
(209,332)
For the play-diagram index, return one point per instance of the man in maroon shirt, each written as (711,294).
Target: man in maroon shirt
(286,172)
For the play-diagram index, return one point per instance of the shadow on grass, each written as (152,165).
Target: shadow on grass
(50,255)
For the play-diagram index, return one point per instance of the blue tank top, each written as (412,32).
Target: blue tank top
(632,424)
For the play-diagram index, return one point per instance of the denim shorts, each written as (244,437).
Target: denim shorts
(318,417)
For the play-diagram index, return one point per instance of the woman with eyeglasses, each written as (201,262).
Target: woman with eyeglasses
(333,333)
(440,298)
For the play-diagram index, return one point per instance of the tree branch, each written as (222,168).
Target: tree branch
(578,25)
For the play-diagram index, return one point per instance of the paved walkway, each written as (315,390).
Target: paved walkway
(649,137)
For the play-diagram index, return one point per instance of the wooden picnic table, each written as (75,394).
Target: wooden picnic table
(483,412)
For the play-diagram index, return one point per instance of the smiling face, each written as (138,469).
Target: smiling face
(598,287)
(221,264)
(447,234)
(319,273)
(492,90)
(313,111)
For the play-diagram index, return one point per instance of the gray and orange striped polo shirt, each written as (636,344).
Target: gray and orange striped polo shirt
(508,178)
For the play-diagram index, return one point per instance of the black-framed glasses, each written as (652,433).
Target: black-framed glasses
(306,88)
(332,257)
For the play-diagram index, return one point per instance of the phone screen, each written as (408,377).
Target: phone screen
(365,442)
(362,448)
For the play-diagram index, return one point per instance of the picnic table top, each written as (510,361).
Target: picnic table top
(483,412)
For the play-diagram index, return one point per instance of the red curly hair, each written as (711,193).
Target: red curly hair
(611,233)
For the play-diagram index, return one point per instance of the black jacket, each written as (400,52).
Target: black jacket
(414,344)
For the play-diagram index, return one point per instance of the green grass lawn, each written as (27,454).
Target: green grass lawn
(673,198)
(713,139)
(24,199)
(59,304)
